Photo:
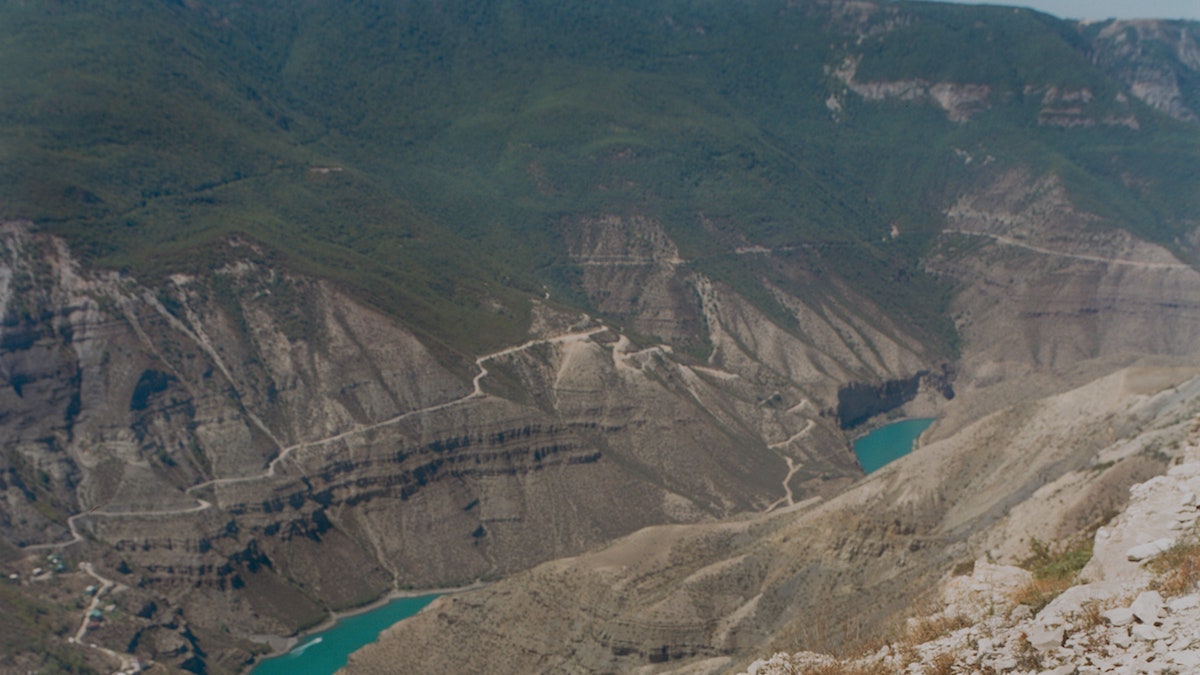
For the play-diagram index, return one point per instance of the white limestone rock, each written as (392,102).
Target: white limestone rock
(1020,613)
(1120,638)
(1184,603)
(1148,608)
(1144,551)
(1187,659)
(1120,616)
(1147,633)
(1045,638)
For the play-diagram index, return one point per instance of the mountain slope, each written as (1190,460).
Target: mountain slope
(441,291)
(394,146)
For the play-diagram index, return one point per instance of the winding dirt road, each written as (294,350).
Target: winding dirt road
(286,452)
(1009,241)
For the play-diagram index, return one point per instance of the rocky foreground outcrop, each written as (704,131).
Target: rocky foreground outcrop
(1136,608)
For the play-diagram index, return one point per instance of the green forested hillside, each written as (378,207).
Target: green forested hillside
(428,154)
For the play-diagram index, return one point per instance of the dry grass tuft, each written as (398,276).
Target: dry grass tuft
(932,628)
(942,664)
(1028,657)
(1054,571)
(1178,569)
(1039,592)
(847,668)
(1090,615)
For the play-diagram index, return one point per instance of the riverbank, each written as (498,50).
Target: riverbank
(281,645)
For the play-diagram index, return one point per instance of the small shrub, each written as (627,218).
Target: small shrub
(1090,615)
(1040,592)
(1054,571)
(942,664)
(1048,563)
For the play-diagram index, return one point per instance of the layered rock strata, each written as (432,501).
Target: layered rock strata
(231,443)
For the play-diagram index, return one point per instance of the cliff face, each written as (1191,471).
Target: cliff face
(755,203)
(1044,289)
(233,443)
(1158,60)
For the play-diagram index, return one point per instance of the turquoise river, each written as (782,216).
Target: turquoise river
(889,443)
(324,652)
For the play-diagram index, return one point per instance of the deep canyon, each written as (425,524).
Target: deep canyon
(581,304)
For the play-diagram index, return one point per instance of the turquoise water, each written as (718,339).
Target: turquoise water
(323,653)
(889,443)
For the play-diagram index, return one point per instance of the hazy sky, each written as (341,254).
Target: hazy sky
(1104,9)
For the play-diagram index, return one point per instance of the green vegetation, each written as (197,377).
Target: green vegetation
(1055,569)
(1178,568)
(429,156)
(34,635)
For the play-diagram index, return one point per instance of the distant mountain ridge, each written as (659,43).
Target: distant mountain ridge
(393,146)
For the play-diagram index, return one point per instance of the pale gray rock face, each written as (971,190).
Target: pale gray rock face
(1144,551)
(1120,616)
(1148,608)
(1154,59)
(1146,633)
(1044,289)
(1045,639)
